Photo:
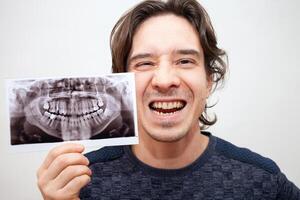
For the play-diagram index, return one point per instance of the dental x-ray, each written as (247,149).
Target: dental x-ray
(70,109)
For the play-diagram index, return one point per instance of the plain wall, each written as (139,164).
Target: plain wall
(258,108)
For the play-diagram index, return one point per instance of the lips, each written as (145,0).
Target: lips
(167,107)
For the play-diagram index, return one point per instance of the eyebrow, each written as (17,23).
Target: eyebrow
(188,52)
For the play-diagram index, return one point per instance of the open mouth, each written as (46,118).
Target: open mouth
(167,107)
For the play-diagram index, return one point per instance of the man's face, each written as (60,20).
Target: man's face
(171,81)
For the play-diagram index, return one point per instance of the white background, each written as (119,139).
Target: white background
(258,108)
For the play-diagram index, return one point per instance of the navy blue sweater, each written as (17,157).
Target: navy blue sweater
(223,171)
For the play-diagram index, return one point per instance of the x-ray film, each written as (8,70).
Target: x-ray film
(89,110)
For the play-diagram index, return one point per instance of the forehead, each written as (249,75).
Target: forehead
(163,34)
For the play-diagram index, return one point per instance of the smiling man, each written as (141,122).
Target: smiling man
(171,47)
(172,87)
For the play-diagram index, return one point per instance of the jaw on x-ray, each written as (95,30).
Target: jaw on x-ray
(67,109)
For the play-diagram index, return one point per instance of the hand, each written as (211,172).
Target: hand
(63,173)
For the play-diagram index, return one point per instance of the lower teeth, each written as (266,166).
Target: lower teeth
(165,113)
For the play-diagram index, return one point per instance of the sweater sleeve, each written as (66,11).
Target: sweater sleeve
(286,189)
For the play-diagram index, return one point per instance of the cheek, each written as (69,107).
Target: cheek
(197,83)
(142,80)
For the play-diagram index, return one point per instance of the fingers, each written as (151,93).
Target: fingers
(64,172)
(63,161)
(70,173)
(59,150)
(74,186)
(67,185)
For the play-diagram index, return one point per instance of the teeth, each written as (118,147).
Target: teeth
(81,108)
(46,106)
(72,122)
(88,116)
(85,117)
(79,112)
(63,118)
(71,107)
(176,104)
(64,107)
(95,106)
(52,106)
(84,121)
(96,118)
(159,105)
(75,122)
(167,105)
(100,102)
(45,119)
(76,108)
(47,114)
(81,121)
(162,113)
(73,115)
(84,107)
(57,106)
(52,116)
(90,105)
(100,111)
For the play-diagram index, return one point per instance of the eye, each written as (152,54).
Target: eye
(185,61)
(144,65)
(147,63)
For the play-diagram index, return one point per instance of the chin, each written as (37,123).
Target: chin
(167,136)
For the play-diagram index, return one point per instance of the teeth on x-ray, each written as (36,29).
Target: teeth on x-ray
(73,108)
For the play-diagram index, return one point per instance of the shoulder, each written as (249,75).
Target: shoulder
(245,156)
(105,154)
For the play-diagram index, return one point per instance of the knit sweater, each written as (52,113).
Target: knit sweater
(223,171)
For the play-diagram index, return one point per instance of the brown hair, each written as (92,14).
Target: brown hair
(123,32)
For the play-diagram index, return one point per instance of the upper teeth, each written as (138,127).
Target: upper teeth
(46,106)
(168,105)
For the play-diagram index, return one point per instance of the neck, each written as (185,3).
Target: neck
(171,155)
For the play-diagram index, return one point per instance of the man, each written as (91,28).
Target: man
(173,51)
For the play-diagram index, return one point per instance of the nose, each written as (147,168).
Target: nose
(164,78)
